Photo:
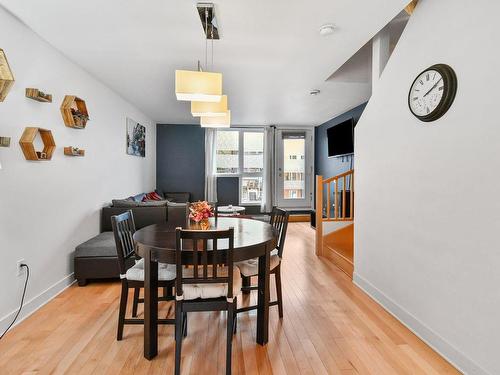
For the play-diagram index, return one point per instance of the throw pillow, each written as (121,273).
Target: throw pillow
(139,197)
(153,196)
(160,193)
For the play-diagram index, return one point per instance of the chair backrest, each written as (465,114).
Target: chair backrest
(279,220)
(201,249)
(123,230)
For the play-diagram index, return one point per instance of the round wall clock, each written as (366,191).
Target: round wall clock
(432,92)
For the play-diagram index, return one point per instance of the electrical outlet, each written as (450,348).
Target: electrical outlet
(19,269)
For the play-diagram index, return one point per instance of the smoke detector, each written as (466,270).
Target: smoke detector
(326,29)
(314,92)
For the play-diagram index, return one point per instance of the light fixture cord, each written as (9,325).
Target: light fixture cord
(206,38)
(212,37)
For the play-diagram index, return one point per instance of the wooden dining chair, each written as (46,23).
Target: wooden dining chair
(211,284)
(249,268)
(133,277)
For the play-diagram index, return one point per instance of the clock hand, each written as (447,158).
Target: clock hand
(432,88)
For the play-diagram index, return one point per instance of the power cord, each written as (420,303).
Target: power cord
(22,300)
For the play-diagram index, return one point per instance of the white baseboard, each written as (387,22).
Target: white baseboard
(431,338)
(37,302)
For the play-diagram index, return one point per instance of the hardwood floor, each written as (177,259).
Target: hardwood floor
(329,327)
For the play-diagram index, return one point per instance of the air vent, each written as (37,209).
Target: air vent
(206,11)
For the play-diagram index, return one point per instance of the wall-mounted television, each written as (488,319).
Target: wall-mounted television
(341,139)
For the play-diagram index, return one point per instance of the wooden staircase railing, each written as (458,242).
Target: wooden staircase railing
(338,208)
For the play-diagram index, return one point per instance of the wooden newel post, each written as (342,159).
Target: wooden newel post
(319,215)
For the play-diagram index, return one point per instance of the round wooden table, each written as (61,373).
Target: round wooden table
(156,243)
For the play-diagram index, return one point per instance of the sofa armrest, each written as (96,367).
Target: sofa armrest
(178,214)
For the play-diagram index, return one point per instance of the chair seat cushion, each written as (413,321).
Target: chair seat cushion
(206,291)
(102,245)
(166,272)
(251,267)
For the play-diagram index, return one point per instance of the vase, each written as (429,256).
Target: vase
(200,225)
(205,224)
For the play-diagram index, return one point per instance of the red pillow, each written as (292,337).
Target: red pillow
(153,196)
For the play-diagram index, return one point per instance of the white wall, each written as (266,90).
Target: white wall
(46,208)
(437,264)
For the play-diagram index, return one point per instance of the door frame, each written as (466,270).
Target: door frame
(308,202)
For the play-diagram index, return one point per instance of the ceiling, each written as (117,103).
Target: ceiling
(359,66)
(270,52)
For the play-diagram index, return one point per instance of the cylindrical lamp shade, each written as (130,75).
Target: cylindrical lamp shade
(198,86)
(216,122)
(209,109)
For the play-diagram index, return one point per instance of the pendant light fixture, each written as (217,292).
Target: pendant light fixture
(199,86)
(209,109)
(216,122)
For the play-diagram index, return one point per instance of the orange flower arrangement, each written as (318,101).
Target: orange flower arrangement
(199,211)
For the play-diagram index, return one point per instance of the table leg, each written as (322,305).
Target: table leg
(150,307)
(263,300)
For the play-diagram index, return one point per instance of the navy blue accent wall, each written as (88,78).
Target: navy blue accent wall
(227,191)
(180,165)
(180,159)
(324,165)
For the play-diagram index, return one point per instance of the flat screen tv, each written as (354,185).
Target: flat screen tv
(341,139)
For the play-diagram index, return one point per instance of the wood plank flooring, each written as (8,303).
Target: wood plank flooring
(329,327)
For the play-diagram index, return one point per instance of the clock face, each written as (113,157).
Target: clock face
(432,92)
(426,92)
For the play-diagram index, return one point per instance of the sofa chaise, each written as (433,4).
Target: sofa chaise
(97,259)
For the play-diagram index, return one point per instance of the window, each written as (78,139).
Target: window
(253,146)
(294,168)
(227,158)
(240,153)
(251,189)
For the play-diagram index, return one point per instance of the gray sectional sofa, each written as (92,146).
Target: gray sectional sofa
(97,259)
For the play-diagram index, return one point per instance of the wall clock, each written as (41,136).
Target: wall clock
(432,92)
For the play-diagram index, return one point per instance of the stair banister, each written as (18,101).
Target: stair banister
(346,178)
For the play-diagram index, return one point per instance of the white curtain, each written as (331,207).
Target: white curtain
(268,172)
(210,173)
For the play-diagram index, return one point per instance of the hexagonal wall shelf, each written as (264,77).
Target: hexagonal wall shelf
(28,148)
(6,76)
(74,112)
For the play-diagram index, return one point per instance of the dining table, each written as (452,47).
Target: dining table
(156,243)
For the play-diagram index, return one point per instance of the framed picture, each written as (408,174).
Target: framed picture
(136,138)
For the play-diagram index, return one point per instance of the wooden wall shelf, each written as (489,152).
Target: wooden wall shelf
(38,95)
(74,112)
(73,151)
(26,143)
(6,76)
(4,141)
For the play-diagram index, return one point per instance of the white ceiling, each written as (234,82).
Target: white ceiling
(359,66)
(270,53)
